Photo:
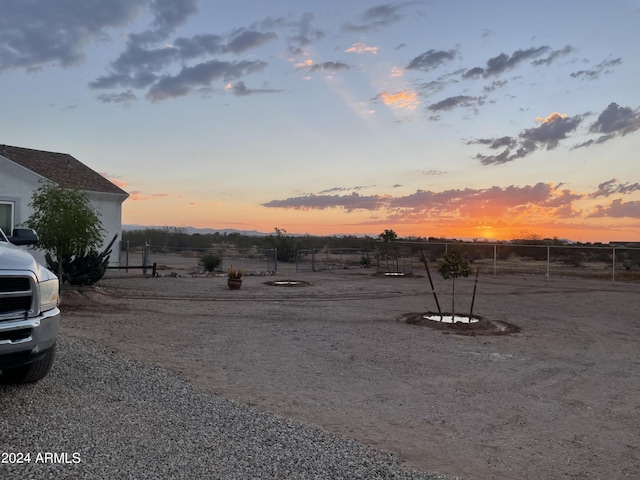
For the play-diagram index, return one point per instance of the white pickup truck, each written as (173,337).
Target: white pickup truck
(29,314)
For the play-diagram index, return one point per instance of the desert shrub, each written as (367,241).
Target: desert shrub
(83,268)
(210,262)
(504,252)
(573,257)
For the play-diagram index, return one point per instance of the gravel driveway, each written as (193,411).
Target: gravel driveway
(100,415)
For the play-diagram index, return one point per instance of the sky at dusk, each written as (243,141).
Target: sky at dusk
(461,118)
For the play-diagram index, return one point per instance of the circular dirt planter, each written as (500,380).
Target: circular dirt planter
(483,326)
(396,275)
(234,283)
(287,283)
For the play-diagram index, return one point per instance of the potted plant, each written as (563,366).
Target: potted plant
(234,280)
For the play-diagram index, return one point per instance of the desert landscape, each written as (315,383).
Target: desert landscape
(558,398)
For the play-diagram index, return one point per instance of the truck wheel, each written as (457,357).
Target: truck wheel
(33,371)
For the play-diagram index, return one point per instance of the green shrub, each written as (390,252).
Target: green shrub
(210,262)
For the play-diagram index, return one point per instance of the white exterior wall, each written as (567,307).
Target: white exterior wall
(109,206)
(17,184)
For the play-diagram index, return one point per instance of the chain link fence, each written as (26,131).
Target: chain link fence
(603,262)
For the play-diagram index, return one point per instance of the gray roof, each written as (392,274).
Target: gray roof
(60,168)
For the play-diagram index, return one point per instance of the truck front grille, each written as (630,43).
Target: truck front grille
(14,284)
(16,296)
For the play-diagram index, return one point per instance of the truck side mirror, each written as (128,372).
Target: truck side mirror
(23,236)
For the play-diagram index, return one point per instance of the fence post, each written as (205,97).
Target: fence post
(313,259)
(548,260)
(275,259)
(613,269)
(145,258)
(126,257)
(495,260)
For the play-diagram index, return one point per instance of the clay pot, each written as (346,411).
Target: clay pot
(234,283)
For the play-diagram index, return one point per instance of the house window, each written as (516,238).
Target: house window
(6,217)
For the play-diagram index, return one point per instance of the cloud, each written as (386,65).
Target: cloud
(306,63)
(171,13)
(114,179)
(345,189)
(473,72)
(550,132)
(612,187)
(495,85)
(303,30)
(124,98)
(377,17)
(351,202)
(138,196)
(38,34)
(617,209)
(431,59)
(616,120)
(551,118)
(456,102)
(149,60)
(240,89)
(202,74)
(396,72)
(361,48)
(602,68)
(333,66)
(494,202)
(553,129)
(138,65)
(199,45)
(402,99)
(553,56)
(247,40)
(432,87)
(503,62)
(495,143)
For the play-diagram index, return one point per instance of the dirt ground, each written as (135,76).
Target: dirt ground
(559,399)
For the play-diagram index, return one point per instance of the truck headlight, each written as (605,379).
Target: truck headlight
(49,294)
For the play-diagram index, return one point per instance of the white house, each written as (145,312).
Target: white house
(22,171)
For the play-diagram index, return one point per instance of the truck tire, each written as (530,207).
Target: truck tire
(32,372)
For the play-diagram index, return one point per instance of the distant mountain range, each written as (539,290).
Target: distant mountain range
(203,231)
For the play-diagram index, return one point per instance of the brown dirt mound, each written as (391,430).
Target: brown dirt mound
(89,299)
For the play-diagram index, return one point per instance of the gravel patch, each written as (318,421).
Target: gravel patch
(101,415)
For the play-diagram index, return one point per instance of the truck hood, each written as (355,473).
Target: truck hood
(14,258)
